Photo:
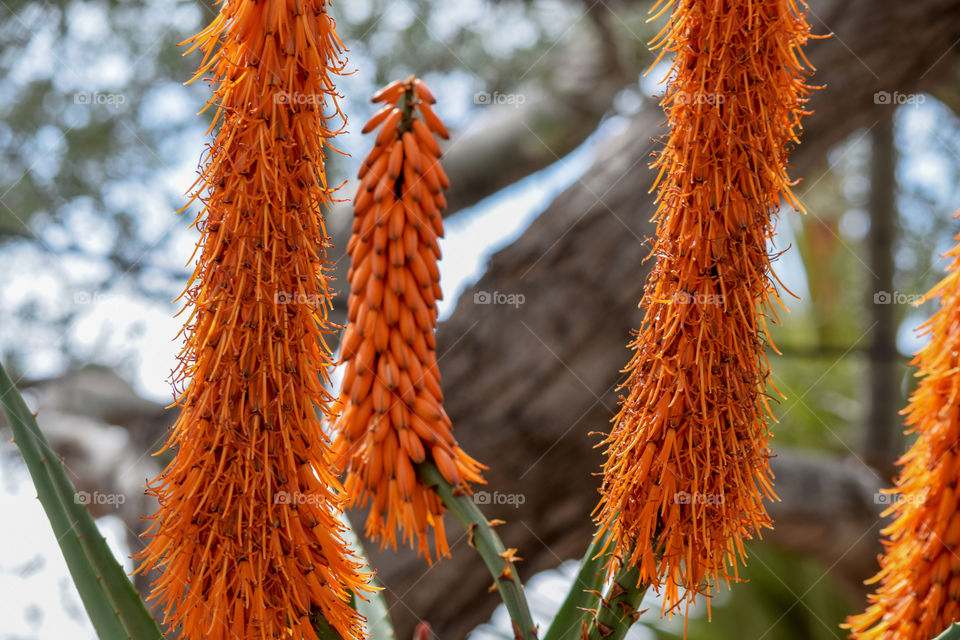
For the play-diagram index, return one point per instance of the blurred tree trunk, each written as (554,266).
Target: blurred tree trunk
(883,425)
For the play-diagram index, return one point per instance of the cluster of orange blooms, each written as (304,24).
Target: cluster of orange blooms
(247,534)
(393,416)
(687,466)
(919,592)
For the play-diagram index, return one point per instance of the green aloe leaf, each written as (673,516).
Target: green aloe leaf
(374,606)
(583,596)
(114,606)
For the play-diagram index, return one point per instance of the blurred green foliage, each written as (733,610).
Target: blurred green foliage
(784,596)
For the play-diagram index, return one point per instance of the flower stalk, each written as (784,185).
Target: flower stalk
(247,537)
(687,468)
(499,560)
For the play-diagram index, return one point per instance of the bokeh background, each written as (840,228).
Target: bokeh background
(553,125)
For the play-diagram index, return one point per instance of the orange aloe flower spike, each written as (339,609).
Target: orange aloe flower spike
(393,417)
(918,595)
(247,538)
(687,468)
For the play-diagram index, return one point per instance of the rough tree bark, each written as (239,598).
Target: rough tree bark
(525,386)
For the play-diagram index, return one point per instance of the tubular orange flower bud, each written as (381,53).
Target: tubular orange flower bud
(393,415)
(919,577)
(247,536)
(687,458)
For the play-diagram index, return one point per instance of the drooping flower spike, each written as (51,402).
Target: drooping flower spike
(687,466)
(393,416)
(919,580)
(247,537)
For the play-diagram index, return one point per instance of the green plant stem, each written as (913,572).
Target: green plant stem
(619,608)
(488,544)
(584,594)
